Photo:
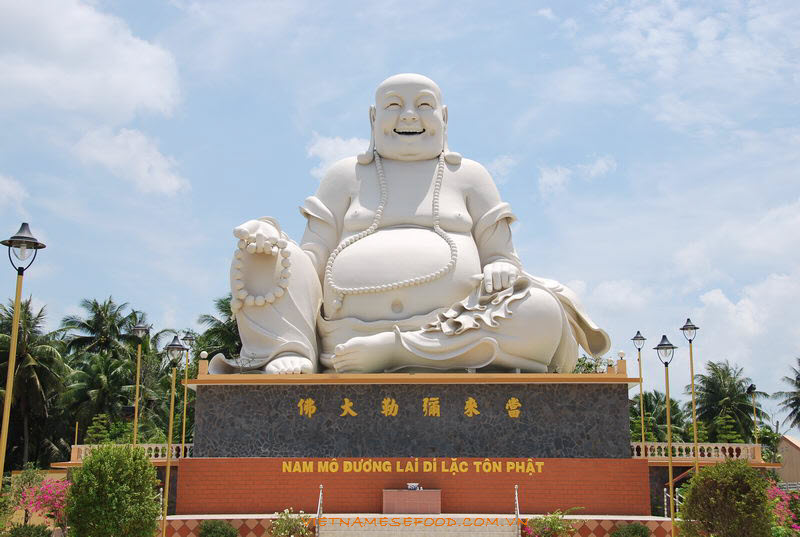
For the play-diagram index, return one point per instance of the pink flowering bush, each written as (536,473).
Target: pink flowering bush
(49,499)
(784,517)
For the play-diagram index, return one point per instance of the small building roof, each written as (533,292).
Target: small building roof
(793,441)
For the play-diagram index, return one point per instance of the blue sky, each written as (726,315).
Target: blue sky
(651,149)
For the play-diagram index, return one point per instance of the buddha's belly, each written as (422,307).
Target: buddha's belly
(396,254)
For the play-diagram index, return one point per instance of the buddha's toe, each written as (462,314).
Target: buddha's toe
(289,365)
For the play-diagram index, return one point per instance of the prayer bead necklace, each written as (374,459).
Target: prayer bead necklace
(342,291)
(277,247)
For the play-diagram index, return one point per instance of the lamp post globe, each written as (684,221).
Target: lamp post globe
(24,246)
(175,349)
(666,350)
(638,340)
(189,339)
(141,330)
(689,330)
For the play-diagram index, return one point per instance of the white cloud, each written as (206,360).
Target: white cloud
(216,31)
(600,167)
(620,296)
(12,193)
(546,13)
(553,180)
(500,167)
(588,83)
(330,149)
(132,156)
(570,27)
(68,56)
(767,238)
(757,329)
(710,66)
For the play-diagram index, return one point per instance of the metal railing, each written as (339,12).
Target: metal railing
(319,512)
(153,451)
(684,451)
(678,501)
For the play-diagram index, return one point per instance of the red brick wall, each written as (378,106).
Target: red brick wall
(258,485)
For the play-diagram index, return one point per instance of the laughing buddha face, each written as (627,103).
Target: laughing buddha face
(409,119)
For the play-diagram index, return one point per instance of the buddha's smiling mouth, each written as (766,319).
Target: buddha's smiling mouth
(409,132)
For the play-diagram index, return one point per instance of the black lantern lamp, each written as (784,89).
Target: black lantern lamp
(24,245)
(189,339)
(665,350)
(638,340)
(175,349)
(689,330)
(141,330)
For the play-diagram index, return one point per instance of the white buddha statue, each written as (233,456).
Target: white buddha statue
(406,263)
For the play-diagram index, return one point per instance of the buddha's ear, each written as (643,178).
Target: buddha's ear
(368,155)
(450,156)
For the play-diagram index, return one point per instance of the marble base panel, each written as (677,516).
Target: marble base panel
(413,420)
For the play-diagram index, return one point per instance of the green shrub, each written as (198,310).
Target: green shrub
(550,525)
(34,530)
(289,524)
(217,528)
(631,530)
(114,494)
(6,509)
(727,500)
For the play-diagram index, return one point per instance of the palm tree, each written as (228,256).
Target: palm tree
(790,401)
(105,329)
(99,384)
(655,418)
(723,390)
(221,333)
(40,369)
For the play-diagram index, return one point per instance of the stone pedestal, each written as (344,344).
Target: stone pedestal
(476,419)
(263,443)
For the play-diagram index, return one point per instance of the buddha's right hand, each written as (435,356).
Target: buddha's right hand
(259,236)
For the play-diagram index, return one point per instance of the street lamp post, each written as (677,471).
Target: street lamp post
(175,350)
(21,245)
(689,332)
(666,351)
(140,331)
(638,342)
(188,339)
(751,391)
(165,499)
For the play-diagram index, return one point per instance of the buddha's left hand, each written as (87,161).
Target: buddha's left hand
(499,275)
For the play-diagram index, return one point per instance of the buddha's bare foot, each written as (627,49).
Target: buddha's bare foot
(369,354)
(289,364)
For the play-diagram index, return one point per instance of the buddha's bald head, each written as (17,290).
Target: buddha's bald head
(405,79)
(409,118)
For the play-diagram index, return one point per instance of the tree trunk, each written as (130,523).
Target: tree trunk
(25,435)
